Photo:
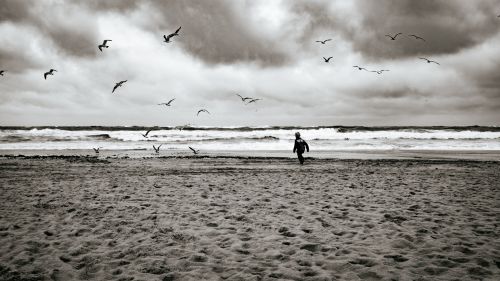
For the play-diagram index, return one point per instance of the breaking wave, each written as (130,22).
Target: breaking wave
(252,138)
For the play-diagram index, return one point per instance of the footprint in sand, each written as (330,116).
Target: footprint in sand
(397,258)
(365,262)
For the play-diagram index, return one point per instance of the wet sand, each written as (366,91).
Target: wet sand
(483,155)
(78,218)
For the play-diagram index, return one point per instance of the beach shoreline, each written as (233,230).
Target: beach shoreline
(482,155)
(99,218)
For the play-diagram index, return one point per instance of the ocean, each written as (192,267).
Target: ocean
(327,138)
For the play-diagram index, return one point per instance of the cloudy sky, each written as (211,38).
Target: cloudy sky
(261,48)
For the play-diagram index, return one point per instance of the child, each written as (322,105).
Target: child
(300,146)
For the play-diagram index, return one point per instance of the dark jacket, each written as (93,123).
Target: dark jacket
(300,146)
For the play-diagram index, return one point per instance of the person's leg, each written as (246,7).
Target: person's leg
(301,158)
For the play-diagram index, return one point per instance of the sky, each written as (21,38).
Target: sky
(263,49)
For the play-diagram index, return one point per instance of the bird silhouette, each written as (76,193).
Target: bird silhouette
(96,150)
(50,72)
(195,151)
(103,45)
(202,110)
(253,100)
(393,37)
(379,71)
(323,41)
(243,99)
(2,72)
(146,134)
(180,128)
(360,68)
(176,33)
(327,59)
(416,37)
(157,149)
(429,61)
(119,84)
(166,103)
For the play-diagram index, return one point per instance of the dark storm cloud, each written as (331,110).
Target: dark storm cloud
(317,17)
(14,10)
(214,32)
(73,41)
(448,26)
(16,61)
(71,31)
(109,5)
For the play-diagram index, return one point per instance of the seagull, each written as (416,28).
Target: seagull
(146,134)
(119,84)
(202,110)
(243,99)
(253,100)
(96,150)
(416,37)
(166,103)
(379,71)
(195,151)
(393,37)
(103,45)
(157,149)
(324,41)
(50,72)
(429,61)
(1,72)
(327,59)
(176,33)
(360,68)
(183,127)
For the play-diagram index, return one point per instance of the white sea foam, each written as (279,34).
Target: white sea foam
(251,139)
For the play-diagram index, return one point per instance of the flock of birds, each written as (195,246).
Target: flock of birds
(167,39)
(245,100)
(392,38)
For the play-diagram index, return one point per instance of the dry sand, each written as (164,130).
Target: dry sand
(79,218)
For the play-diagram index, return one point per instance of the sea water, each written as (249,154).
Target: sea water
(334,138)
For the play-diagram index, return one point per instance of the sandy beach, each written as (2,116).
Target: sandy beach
(87,218)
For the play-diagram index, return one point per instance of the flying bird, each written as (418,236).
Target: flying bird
(243,99)
(146,134)
(327,59)
(176,33)
(103,45)
(253,100)
(96,150)
(416,37)
(119,84)
(1,72)
(323,41)
(360,68)
(183,127)
(202,110)
(195,151)
(429,61)
(393,37)
(166,103)
(50,72)
(379,71)
(157,149)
